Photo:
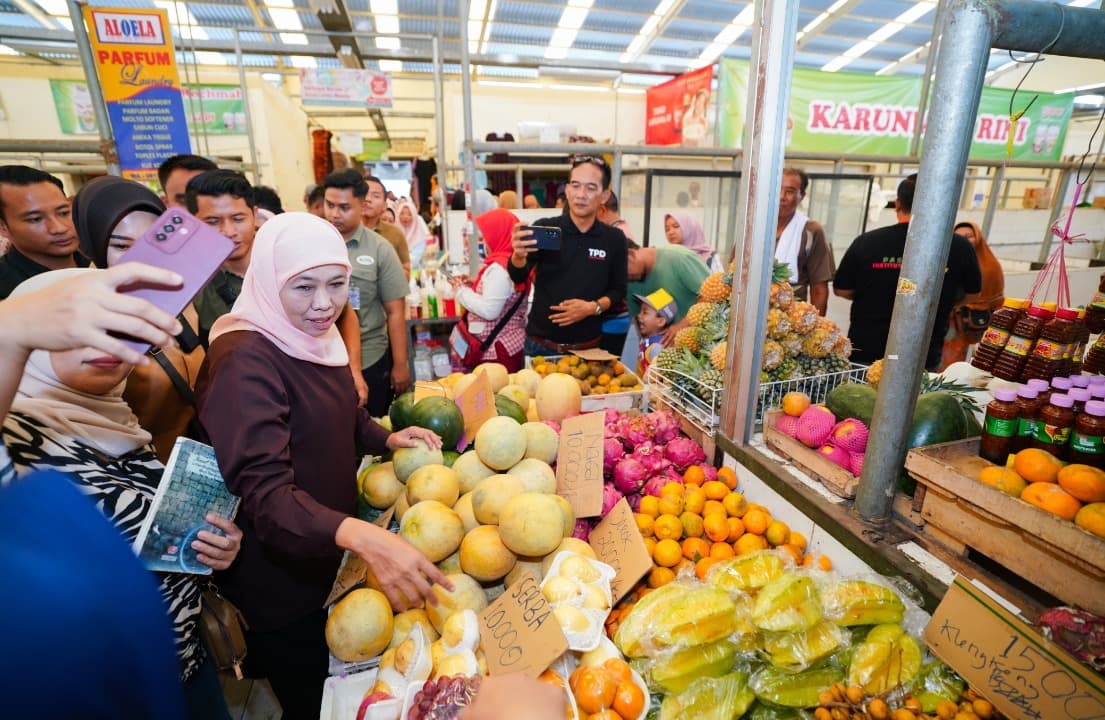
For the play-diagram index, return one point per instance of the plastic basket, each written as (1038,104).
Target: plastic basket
(816,386)
(694,400)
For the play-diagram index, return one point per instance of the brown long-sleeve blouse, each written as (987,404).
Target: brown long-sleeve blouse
(286,434)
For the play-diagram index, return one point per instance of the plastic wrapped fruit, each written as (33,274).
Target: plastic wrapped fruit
(937,682)
(673,672)
(710,699)
(888,657)
(787,604)
(798,650)
(858,602)
(796,690)
(747,572)
(444,698)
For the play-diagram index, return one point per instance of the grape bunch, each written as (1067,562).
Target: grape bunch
(444,698)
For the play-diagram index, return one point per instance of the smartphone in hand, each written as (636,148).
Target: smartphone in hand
(179,242)
(548,238)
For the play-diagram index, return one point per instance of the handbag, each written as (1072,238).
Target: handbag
(471,349)
(973,320)
(223,629)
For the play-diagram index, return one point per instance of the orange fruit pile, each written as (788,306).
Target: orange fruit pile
(607,692)
(1073,492)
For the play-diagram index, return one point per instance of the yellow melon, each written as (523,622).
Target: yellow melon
(491,494)
(500,443)
(496,374)
(521,567)
(531,524)
(433,482)
(528,379)
(516,393)
(360,626)
(568,515)
(536,475)
(558,396)
(405,621)
(467,514)
(450,564)
(434,529)
(466,594)
(379,486)
(471,470)
(484,556)
(542,442)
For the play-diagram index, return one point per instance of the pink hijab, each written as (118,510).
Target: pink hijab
(694,238)
(285,246)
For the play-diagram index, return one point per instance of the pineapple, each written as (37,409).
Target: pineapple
(687,338)
(778,324)
(699,313)
(782,294)
(714,289)
(817,344)
(773,355)
(668,358)
(711,382)
(803,317)
(874,373)
(792,344)
(717,355)
(842,348)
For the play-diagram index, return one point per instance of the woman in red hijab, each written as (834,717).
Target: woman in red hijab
(970,318)
(493,296)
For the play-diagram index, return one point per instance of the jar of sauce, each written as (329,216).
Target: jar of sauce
(1046,359)
(1078,346)
(1028,405)
(1010,363)
(1087,442)
(1054,424)
(1095,312)
(997,334)
(999,429)
(1080,397)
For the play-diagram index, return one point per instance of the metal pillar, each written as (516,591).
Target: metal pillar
(439,130)
(996,182)
(959,77)
(95,90)
(469,157)
(774,29)
(245,107)
(834,201)
(616,175)
(518,185)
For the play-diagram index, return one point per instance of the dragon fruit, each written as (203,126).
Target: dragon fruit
(610,416)
(634,500)
(850,434)
(683,452)
(814,426)
(636,431)
(788,425)
(656,484)
(610,497)
(630,474)
(709,471)
(612,452)
(1079,632)
(836,454)
(652,456)
(665,427)
(582,530)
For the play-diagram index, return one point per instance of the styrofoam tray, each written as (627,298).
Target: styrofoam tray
(342,696)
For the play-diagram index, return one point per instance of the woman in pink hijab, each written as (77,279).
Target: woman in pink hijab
(682,228)
(276,398)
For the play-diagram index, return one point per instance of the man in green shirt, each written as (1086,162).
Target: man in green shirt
(676,269)
(373,324)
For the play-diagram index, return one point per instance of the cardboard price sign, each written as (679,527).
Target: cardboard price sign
(579,463)
(354,571)
(596,354)
(423,389)
(617,542)
(477,405)
(518,632)
(1023,674)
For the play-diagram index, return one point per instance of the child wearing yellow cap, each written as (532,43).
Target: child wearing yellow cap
(658,310)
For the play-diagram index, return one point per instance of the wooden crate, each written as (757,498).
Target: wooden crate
(960,512)
(839,481)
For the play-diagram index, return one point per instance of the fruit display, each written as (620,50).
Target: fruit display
(1073,492)
(844,442)
(609,691)
(852,702)
(594,377)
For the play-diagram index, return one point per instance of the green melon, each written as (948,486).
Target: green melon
(507,407)
(442,416)
(400,411)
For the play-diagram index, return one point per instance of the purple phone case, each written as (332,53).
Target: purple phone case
(179,242)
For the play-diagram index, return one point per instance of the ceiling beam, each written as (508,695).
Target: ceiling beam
(838,10)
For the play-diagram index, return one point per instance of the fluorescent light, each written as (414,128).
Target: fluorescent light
(1082,3)
(885,32)
(728,35)
(579,88)
(387,24)
(1080,88)
(631,91)
(205,57)
(390,65)
(54,7)
(272,77)
(509,84)
(1091,100)
(303,61)
(280,3)
(387,43)
(384,7)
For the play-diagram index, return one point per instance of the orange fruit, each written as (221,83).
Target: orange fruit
(694,500)
(795,403)
(777,533)
(722,551)
(668,553)
(793,551)
(1036,465)
(618,669)
(1049,496)
(736,528)
(1084,482)
(694,475)
(1002,478)
(825,563)
(756,521)
(671,504)
(672,488)
(1092,518)
(605,714)
(667,527)
(695,548)
(650,545)
(593,688)
(716,526)
(629,700)
(660,576)
(749,543)
(734,504)
(798,540)
(702,567)
(692,524)
(728,476)
(715,489)
(650,505)
(713,506)
(644,524)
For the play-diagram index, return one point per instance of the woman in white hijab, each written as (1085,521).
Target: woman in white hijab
(414,229)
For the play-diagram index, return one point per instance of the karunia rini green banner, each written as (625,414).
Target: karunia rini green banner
(855,113)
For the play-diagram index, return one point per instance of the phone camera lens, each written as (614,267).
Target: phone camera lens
(177,219)
(161,237)
(168,228)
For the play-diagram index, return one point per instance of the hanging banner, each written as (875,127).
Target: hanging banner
(135,60)
(73,104)
(677,111)
(215,109)
(345,87)
(854,113)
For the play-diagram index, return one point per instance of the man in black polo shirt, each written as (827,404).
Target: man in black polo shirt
(573,286)
(35,215)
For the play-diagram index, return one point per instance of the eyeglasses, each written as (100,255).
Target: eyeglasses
(578,160)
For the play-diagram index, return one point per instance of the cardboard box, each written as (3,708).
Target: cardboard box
(1037,197)
(1025,676)
(1099,202)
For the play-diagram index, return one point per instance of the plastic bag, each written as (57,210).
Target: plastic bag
(720,698)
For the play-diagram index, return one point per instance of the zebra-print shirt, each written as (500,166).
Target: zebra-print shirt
(122,488)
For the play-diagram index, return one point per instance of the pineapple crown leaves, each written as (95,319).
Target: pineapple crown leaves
(960,391)
(780,272)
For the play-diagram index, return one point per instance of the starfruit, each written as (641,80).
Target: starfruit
(636,628)
(674,672)
(747,572)
(759,711)
(798,650)
(796,690)
(887,658)
(858,602)
(936,682)
(702,616)
(722,698)
(787,604)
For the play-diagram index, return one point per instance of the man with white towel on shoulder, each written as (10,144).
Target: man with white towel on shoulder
(801,244)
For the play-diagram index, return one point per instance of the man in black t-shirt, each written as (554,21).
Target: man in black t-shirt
(868,276)
(573,286)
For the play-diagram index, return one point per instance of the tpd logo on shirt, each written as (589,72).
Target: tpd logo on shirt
(366,260)
(129,29)
(597,254)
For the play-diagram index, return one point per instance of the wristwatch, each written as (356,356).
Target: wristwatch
(598,308)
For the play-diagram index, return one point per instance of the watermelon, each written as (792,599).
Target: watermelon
(938,418)
(509,408)
(400,411)
(450,457)
(440,415)
(852,400)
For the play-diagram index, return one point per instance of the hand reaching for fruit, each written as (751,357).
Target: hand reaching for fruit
(408,437)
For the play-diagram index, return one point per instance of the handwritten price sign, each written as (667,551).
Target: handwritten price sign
(618,543)
(579,464)
(518,632)
(1013,666)
(477,405)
